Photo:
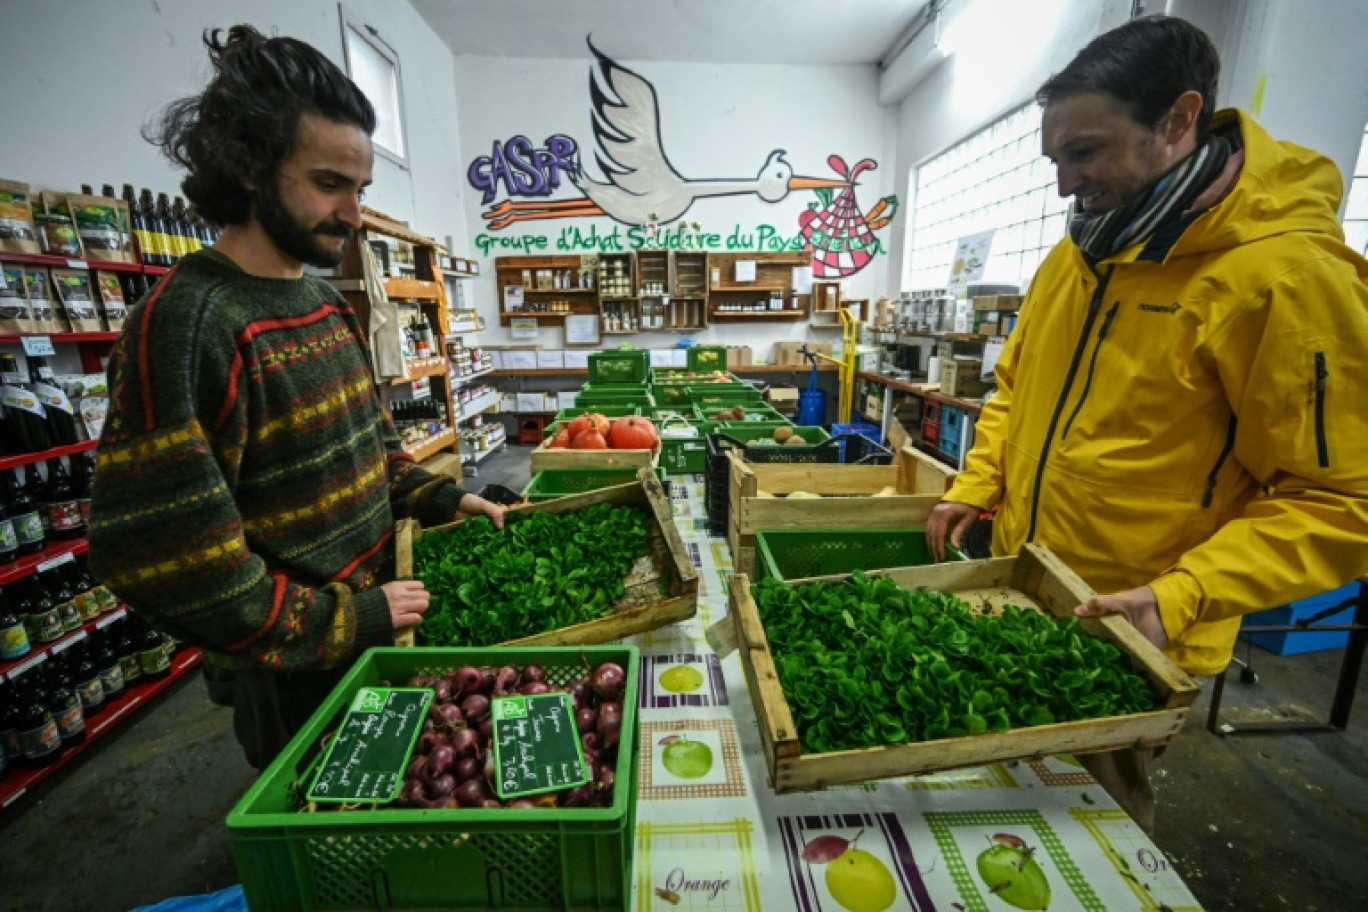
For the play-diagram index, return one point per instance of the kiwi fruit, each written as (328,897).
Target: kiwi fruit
(795,440)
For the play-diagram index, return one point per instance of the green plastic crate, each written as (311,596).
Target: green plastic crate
(607,411)
(707,357)
(755,412)
(686,455)
(725,394)
(620,366)
(593,395)
(549,484)
(786,555)
(747,432)
(553,858)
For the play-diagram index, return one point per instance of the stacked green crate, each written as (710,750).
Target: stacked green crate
(620,367)
(707,357)
(549,484)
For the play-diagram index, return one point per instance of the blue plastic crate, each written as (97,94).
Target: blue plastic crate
(951,425)
(1285,644)
(858,427)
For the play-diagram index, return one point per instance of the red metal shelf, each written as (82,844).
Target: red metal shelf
(43,259)
(66,336)
(139,695)
(9,462)
(28,565)
(156,270)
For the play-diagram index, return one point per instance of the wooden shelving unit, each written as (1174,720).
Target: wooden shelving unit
(773,274)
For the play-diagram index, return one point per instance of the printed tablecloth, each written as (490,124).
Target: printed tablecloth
(712,835)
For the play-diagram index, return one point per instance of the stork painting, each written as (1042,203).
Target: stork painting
(641,187)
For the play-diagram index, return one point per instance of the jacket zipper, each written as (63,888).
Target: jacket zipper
(1229,445)
(1094,306)
(1322,448)
(1092,366)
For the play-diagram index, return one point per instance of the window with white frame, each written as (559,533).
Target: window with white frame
(1356,209)
(374,67)
(996,179)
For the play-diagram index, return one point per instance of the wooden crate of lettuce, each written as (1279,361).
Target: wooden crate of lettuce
(585,569)
(799,496)
(933,669)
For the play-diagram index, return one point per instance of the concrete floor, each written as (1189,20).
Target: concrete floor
(1251,822)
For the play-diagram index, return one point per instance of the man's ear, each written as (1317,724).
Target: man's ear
(1182,117)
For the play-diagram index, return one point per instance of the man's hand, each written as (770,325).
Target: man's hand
(1139,606)
(407,602)
(948,519)
(474,505)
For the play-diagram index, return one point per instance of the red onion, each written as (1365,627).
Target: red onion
(427,742)
(465,743)
(452,717)
(609,729)
(475,707)
(415,768)
(576,797)
(533,673)
(471,793)
(464,681)
(585,720)
(492,803)
(605,781)
(486,680)
(534,687)
(608,680)
(590,742)
(441,690)
(506,678)
(579,694)
(468,768)
(440,761)
(486,730)
(410,794)
(442,786)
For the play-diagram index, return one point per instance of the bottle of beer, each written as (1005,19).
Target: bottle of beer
(61,504)
(9,539)
(23,513)
(59,589)
(14,641)
(46,624)
(20,596)
(161,255)
(86,678)
(39,738)
(153,655)
(127,649)
(184,226)
(107,663)
(63,702)
(61,416)
(85,484)
(26,416)
(10,745)
(174,242)
(36,489)
(139,225)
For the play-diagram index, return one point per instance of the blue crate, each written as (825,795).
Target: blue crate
(1285,644)
(951,425)
(864,429)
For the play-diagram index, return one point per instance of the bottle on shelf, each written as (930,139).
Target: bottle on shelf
(107,663)
(10,712)
(85,678)
(26,417)
(39,738)
(36,488)
(154,653)
(189,240)
(61,503)
(139,225)
(20,597)
(61,417)
(14,641)
(9,539)
(175,244)
(84,482)
(156,231)
(57,587)
(63,702)
(23,514)
(45,624)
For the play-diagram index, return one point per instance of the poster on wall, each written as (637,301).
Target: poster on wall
(513,298)
(523,328)
(582,329)
(971,257)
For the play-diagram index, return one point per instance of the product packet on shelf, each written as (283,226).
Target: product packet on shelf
(77,299)
(113,307)
(17,232)
(15,316)
(99,221)
(37,281)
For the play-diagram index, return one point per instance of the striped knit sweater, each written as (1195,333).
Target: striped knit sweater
(248,479)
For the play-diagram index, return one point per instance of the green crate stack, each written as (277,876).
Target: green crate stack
(620,367)
(707,357)
(461,858)
(685,455)
(548,484)
(607,411)
(594,395)
(725,394)
(790,555)
(762,431)
(755,412)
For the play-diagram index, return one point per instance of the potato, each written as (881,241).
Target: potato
(795,440)
(804,495)
(888,491)
(782,433)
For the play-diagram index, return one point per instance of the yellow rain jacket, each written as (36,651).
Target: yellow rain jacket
(1193,414)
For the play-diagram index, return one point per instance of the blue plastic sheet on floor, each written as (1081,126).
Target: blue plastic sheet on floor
(227,900)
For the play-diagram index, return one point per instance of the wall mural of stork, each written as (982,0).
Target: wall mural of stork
(641,188)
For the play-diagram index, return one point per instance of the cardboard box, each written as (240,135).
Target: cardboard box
(783,398)
(576,360)
(519,359)
(660,357)
(532,403)
(551,402)
(739,356)
(869,361)
(873,406)
(565,400)
(788,352)
(550,360)
(960,377)
(998,302)
(679,357)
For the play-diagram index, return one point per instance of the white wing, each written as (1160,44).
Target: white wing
(627,129)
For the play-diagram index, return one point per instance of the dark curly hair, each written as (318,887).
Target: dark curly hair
(1145,64)
(243,126)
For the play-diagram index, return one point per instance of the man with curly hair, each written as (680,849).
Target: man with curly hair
(248,478)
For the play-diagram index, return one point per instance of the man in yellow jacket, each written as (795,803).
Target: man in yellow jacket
(1182,410)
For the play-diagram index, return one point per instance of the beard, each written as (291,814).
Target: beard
(295,238)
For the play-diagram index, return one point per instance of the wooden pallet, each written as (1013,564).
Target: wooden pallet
(1034,578)
(642,607)
(919,480)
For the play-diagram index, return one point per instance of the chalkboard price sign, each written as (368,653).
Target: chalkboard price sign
(536,745)
(367,757)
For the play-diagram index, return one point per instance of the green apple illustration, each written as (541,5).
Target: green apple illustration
(1011,873)
(857,880)
(686,759)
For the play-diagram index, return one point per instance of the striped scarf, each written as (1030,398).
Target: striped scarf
(1103,235)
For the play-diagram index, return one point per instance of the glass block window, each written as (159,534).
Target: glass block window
(995,179)
(1356,209)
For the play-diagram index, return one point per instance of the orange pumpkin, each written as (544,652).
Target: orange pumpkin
(578,425)
(560,441)
(632,433)
(599,423)
(588,440)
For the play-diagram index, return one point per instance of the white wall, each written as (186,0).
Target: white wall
(83,76)
(717,121)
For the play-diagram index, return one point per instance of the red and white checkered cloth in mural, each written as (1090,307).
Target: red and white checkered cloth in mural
(842,242)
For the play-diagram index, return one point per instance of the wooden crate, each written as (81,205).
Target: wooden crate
(1034,578)
(642,607)
(543,457)
(919,480)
